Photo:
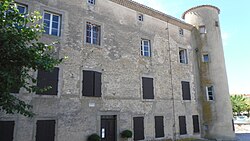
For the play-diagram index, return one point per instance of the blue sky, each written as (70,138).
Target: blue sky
(234,22)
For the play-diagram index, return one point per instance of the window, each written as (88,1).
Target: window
(181,31)
(6,130)
(182,125)
(45,130)
(196,125)
(205,58)
(138,128)
(91,85)
(185,90)
(51,23)
(216,23)
(210,91)
(140,17)
(202,29)
(93,33)
(159,126)
(145,48)
(47,79)
(22,8)
(91,2)
(183,56)
(147,88)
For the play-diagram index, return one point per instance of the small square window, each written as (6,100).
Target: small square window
(205,58)
(183,56)
(91,2)
(181,31)
(140,17)
(145,48)
(202,29)
(210,93)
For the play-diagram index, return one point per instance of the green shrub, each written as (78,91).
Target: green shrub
(94,137)
(126,134)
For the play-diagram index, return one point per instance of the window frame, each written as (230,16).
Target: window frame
(186,95)
(22,5)
(145,91)
(143,51)
(158,120)
(91,37)
(203,58)
(142,137)
(183,56)
(182,131)
(140,17)
(196,127)
(51,22)
(181,31)
(85,89)
(202,29)
(92,2)
(211,92)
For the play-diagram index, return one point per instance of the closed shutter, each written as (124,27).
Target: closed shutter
(88,83)
(148,88)
(45,130)
(98,84)
(138,128)
(159,126)
(182,125)
(196,124)
(185,90)
(6,130)
(46,79)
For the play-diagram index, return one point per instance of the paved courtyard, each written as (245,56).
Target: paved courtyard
(242,132)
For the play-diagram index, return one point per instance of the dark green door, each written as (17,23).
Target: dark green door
(108,128)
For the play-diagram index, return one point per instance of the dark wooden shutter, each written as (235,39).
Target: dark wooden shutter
(98,84)
(88,83)
(196,124)
(46,79)
(148,88)
(182,125)
(185,90)
(45,130)
(138,128)
(6,130)
(159,126)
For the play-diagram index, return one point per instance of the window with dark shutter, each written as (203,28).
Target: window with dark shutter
(46,79)
(91,85)
(148,88)
(196,124)
(159,126)
(182,125)
(185,90)
(6,130)
(45,130)
(138,128)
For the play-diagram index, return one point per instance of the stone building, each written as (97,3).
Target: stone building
(129,67)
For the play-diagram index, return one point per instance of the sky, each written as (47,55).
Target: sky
(234,22)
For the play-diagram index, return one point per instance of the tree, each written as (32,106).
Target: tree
(20,53)
(238,103)
(248,106)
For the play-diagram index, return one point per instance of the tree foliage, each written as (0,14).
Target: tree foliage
(239,103)
(20,53)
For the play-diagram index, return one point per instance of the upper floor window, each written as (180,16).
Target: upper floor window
(205,58)
(159,126)
(45,130)
(196,124)
(140,17)
(181,31)
(216,23)
(183,56)
(51,23)
(91,85)
(93,33)
(91,2)
(202,29)
(182,125)
(7,130)
(145,48)
(147,88)
(185,90)
(210,92)
(22,8)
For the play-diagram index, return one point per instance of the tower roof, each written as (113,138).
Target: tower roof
(201,6)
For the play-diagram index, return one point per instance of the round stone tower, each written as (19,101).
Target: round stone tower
(216,109)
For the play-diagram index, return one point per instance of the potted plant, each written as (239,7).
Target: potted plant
(94,137)
(126,134)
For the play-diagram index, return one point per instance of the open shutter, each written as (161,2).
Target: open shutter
(138,128)
(182,125)
(185,90)
(159,126)
(148,88)
(88,83)
(6,130)
(98,84)
(196,124)
(46,79)
(45,130)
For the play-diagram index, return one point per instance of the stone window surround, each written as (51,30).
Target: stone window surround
(184,59)
(149,48)
(23,5)
(51,21)
(203,55)
(207,95)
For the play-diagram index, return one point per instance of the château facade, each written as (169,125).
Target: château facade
(129,67)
